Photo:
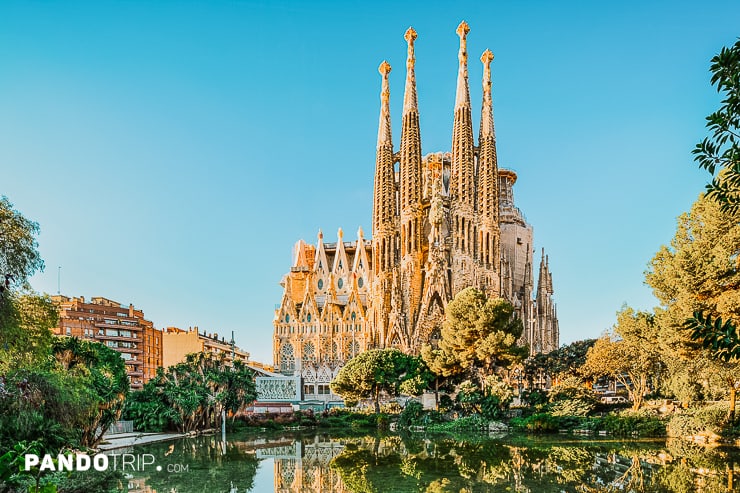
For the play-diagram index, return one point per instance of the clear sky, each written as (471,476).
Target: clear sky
(173,152)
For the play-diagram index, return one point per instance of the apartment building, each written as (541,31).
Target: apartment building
(120,327)
(177,343)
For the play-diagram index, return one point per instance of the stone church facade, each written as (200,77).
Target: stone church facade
(441,222)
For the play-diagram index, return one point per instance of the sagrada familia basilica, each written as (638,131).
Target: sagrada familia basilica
(441,222)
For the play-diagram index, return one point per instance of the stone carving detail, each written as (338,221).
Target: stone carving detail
(277,389)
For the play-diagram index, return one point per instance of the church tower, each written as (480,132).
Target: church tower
(441,222)
(412,237)
(462,179)
(487,251)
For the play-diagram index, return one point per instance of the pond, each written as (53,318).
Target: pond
(323,463)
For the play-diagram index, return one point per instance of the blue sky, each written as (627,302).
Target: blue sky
(173,152)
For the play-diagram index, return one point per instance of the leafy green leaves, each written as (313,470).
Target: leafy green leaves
(721,338)
(722,149)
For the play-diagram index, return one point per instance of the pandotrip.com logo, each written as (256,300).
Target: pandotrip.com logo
(98,462)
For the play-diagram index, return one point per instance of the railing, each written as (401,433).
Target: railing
(121,427)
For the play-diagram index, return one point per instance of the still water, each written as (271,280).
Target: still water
(322,463)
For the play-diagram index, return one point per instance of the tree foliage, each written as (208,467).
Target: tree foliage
(720,152)
(630,354)
(191,395)
(372,372)
(103,373)
(19,256)
(478,336)
(560,363)
(26,320)
(697,280)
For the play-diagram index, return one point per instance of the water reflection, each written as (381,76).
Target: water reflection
(320,463)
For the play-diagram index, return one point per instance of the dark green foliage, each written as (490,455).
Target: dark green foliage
(103,372)
(720,338)
(562,362)
(478,336)
(720,152)
(380,370)
(69,401)
(411,415)
(537,423)
(191,395)
(474,423)
(630,424)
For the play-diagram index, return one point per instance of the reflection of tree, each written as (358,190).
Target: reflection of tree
(209,469)
(523,465)
(419,463)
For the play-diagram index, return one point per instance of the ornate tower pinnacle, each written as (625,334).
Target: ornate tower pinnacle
(463,94)
(462,179)
(409,98)
(487,252)
(384,196)
(410,186)
(410,159)
(384,126)
(486,122)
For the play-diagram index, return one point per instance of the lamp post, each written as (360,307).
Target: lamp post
(518,375)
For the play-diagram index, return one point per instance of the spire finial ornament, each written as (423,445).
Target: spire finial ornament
(463,94)
(409,97)
(486,122)
(384,127)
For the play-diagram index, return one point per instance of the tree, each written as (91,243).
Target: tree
(191,395)
(720,155)
(720,152)
(697,280)
(563,362)
(26,320)
(478,336)
(629,354)
(103,373)
(25,317)
(19,256)
(375,371)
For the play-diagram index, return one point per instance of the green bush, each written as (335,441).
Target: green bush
(475,422)
(537,423)
(694,421)
(631,424)
(411,415)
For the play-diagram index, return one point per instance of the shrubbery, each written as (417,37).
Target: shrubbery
(690,422)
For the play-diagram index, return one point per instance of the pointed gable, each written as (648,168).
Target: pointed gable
(340,269)
(321,266)
(360,264)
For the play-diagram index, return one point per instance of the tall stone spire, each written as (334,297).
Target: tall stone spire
(410,183)
(384,205)
(488,206)
(462,179)
(462,134)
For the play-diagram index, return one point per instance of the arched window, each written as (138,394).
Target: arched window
(309,353)
(287,357)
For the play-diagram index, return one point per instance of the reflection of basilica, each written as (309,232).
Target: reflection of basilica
(441,222)
(304,466)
